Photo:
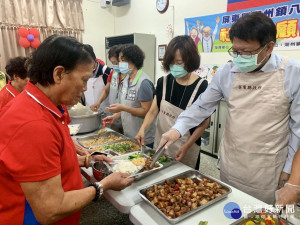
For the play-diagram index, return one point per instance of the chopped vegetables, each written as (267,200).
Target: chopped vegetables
(262,219)
(119,147)
(135,156)
(162,160)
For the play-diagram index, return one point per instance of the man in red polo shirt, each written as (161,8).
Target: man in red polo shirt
(39,168)
(16,70)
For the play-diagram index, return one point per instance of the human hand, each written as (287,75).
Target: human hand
(140,137)
(115,108)
(101,158)
(81,150)
(116,181)
(181,153)
(109,120)
(169,138)
(187,24)
(289,194)
(218,20)
(94,107)
(198,23)
(284,177)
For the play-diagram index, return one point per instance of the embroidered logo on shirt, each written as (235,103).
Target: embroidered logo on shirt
(114,82)
(131,95)
(168,114)
(249,87)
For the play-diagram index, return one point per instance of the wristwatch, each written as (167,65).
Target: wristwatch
(99,190)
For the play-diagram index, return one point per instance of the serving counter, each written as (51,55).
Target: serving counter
(129,201)
(127,198)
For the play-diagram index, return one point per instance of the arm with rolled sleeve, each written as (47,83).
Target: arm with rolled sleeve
(207,102)
(292,85)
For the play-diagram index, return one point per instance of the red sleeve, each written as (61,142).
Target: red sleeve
(100,61)
(39,159)
(111,72)
(109,77)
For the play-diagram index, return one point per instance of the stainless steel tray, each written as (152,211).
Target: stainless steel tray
(193,174)
(143,174)
(93,138)
(150,152)
(243,220)
(111,152)
(116,142)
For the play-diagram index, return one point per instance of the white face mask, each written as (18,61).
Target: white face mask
(250,64)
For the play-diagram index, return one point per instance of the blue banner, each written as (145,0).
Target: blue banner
(211,33)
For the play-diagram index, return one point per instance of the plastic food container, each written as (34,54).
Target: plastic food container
(74,128)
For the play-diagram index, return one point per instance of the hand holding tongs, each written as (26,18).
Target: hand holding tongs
(157,155)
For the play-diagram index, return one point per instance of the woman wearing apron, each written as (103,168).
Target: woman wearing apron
(261,90)
(135,94)
(175,93)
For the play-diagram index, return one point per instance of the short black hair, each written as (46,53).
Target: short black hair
(114,51)
(255,26)
(55,51)
(188,52)
(16,66)
(90,50)
(134,54)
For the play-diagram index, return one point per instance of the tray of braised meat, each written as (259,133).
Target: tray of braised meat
(184,194)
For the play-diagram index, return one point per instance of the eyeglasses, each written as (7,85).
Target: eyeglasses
(244,54)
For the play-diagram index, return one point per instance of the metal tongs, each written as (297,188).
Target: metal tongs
(278,214)
(157,155)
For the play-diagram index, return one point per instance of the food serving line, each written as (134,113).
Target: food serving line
(130,200)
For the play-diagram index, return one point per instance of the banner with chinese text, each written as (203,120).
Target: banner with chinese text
(234,5)
(211,33)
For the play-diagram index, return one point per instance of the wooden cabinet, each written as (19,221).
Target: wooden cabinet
(212,136)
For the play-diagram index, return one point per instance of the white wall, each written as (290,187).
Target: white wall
(98,24)
(141,16)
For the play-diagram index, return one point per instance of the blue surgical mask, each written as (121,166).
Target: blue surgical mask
(124,68)
(248,65)
(177,71)
(116,68)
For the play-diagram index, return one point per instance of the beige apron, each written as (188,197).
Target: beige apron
(255,142)
(94,89)
(167,117)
